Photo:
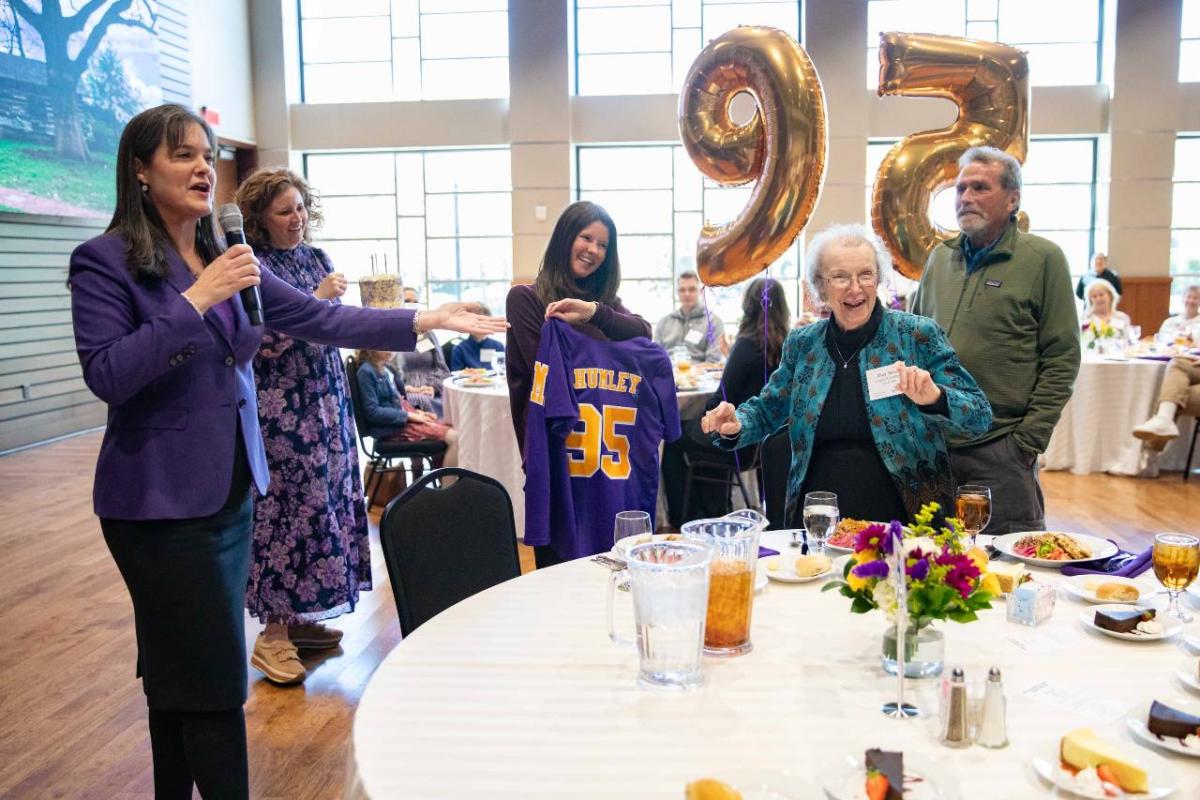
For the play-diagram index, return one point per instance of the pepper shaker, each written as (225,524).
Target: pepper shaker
(993,728)
(955,731)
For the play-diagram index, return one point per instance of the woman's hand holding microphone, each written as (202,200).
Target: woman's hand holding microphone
(235,269)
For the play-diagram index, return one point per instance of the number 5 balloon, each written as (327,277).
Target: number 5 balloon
(989,82)
(783,146)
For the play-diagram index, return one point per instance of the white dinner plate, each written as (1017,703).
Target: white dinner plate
(1171,626)
(768,784)
(621,548)
(1161,777)
(1084,587)
(1101,548)
(845,779)
(786,573)
(1139,725)
(474,381)
(1187,673)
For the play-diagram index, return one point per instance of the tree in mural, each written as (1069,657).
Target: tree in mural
(57,32)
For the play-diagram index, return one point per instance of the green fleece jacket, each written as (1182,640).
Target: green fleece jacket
(1014,325)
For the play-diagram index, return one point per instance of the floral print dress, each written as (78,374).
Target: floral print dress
(310,551)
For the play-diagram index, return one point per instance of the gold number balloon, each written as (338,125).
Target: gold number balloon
(989,82)
(783,146)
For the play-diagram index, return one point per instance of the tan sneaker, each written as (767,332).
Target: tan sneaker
(278,660)
(314,636)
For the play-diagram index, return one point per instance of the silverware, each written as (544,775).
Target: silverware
(614,564)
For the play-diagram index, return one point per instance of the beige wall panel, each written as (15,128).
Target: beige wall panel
(443,123)
(1143,155)
(541,165)
(527,255)
(221,68)
(1188,108)
(1140,203)
(538,55)
(1140,251)
(648,118)
(525,203)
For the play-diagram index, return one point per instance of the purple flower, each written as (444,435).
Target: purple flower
(919,570)
(871,569)
(871,538)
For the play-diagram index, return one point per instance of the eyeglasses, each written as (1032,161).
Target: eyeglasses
(840,280)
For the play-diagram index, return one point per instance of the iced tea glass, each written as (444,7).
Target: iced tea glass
(734,543)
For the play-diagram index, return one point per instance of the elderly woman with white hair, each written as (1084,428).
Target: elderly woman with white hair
(884,456)
(1101,317)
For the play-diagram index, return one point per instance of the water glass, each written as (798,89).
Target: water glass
(498,362)
(973,506)
(734,543)
(1176,562)
(631,523)
(669,584)
(1135,334)
(820,517)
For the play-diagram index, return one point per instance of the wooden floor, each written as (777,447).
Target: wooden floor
(72,717)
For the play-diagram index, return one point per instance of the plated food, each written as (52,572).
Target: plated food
(1089,766)
(888,775)
(846,534)
(1104,589)
(1169,727)
(622,547)
(1130,623)
(799,570)
(1005,577)
(1053,548)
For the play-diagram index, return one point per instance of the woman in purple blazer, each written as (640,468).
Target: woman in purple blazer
(165,342)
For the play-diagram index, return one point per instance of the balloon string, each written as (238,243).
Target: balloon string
(712,334)
(766,307)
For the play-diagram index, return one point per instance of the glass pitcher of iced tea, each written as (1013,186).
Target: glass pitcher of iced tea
(734,542)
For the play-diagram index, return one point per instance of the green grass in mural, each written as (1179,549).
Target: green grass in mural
(38,170)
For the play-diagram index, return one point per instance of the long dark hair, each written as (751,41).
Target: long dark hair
(556,281)
(778,318)
(135,219)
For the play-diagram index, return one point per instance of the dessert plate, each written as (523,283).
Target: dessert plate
(786,573)
(846,778)
(1187,674)
(1161,777)
(1139,727)
(1084,587)
(1100,548)
(1171,626)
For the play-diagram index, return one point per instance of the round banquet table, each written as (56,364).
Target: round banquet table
(1095,432)
(517,692)
(487,443)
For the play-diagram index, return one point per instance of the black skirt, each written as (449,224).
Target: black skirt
(187,579)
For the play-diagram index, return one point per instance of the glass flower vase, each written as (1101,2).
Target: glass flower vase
(924,652)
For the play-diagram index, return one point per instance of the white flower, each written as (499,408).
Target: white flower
(884,596)
(923,543)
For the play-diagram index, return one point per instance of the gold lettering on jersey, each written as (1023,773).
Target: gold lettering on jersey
(604,379)
(538,393)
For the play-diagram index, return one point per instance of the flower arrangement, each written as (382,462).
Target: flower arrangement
(1094,330)
(943,580)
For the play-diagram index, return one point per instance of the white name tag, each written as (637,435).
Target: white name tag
(694,337)
(883,382)
(487,355)
(425,344)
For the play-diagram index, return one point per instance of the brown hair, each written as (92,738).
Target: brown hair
(556,281)
(776,328)
(256,194)
(136,219)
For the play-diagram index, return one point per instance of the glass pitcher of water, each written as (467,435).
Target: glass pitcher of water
(734,542)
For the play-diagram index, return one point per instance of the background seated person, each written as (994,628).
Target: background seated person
(689,324)
(1180,392)
(1099,270)
(472,351)
(884,458)
(1101,312)
(1188,322)
(389,415)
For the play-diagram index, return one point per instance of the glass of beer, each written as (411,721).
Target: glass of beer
(1176,562)
(973,506)
(734,544)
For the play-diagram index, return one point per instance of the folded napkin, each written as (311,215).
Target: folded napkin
(1124,564)
(1156,357)
(763,552)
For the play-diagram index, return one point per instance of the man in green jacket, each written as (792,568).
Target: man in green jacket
(1004,299)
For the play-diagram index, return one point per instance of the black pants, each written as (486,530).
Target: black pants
(1012,475)
(205,748)
(706,499)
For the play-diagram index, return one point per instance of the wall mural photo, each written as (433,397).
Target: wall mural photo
(72,73)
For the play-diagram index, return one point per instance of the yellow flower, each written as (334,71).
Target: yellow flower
(863,556)
(856,583)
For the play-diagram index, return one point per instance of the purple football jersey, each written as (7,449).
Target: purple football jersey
(597,412)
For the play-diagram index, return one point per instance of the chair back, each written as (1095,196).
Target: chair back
(442,545)
(448,349)
(356,407)
(775,455)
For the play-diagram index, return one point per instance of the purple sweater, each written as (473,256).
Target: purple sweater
(526,314)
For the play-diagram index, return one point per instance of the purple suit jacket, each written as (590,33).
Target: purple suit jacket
(177,384)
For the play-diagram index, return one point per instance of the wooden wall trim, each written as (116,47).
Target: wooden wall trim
(1147,300)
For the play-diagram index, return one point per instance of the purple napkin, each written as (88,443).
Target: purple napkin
(1123,565)
(1156,358)
(763,552)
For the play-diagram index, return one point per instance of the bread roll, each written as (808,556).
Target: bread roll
(1117,592)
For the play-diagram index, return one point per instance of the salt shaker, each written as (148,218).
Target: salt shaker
(955,731)
(993,729)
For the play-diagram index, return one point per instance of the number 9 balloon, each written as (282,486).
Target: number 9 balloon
(989,82)
(783,146)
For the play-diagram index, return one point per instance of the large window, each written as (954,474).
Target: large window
(659,200)
(1189,42)
(1061,37)
(1185,223)
(1059,194)
(441,218)
(647,46)
(371,50)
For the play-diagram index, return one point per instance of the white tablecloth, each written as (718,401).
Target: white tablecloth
(1095,432)
(517,693)
(487,443)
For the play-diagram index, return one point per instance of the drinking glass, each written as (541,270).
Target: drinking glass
(973,506)
(733,540)
(669,584)
(498,362)
(1176,562)
(1135,334)
(820,517)
(630,523)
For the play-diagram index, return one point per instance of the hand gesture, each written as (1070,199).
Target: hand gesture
(722,420)
(232,271)
(571,310)
(332,287)
(917,384)
(463,318)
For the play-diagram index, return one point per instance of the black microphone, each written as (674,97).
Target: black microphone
(230,218)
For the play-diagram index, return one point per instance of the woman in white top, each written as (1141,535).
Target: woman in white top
(1188,321)
(1101,314)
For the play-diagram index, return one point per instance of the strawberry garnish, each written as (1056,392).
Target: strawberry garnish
(877,785)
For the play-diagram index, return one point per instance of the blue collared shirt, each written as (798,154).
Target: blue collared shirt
(974,258)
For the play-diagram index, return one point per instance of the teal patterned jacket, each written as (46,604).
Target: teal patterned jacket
(911,443)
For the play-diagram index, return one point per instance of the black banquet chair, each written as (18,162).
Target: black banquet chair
(775,461)
(382,454)
(443,544)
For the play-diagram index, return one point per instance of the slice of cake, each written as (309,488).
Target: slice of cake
(1081,749)
(1167,721)
(1007,575)
(1125,621)
(891,766)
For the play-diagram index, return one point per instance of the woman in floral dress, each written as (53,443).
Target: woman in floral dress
(311,554)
